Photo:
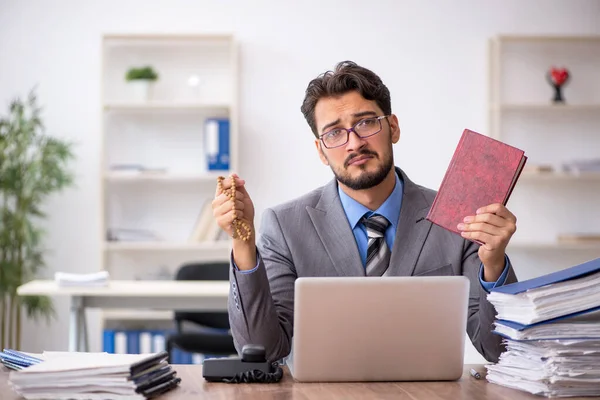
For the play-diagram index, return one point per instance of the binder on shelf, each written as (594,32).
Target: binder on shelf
(203,221)
(133,342)
(149,341)
(108,341)
(120,344)
(145,341)
(206,228)
(216,132)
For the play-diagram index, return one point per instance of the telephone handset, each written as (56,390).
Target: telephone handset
(252,367)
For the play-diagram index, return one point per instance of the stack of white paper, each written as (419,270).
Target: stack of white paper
(551,330)
(100,278)
(555,368)
(584,325)
(95,376)
(549,301)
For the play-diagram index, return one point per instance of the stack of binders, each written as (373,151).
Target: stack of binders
(94,376)
(551,329)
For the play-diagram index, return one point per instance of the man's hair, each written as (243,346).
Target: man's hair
(347,77)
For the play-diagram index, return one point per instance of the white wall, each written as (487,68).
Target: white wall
(431,54)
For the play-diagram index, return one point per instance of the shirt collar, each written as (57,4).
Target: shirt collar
(389,209)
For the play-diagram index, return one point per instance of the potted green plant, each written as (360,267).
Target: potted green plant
(141,81)
(33,166)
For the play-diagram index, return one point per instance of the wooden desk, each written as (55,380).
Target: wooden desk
(193,386)
(156,295)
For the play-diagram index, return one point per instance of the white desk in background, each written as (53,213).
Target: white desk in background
(156,295)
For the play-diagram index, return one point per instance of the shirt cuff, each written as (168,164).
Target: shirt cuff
(490,285)
(249,271)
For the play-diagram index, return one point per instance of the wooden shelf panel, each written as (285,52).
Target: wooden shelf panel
(545,107)
(164,177)
(161,37)
(535,175)
(219,247)
(522,245)
(165,106)
(548,38)
(137,315)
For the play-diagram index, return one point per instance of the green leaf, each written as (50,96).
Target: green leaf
(33,166)
(141,73)
(37,307)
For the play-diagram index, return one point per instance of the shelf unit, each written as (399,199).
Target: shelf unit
(522,113)
(567,246)
(164,133)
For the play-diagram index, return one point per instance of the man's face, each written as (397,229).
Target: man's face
(361,163)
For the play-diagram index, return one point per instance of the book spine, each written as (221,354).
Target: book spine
(108,341)
(216,132)
(223,155)
(517,176)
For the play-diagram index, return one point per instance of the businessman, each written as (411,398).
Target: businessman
(369,220)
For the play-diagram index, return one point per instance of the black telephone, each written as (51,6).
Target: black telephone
(252,367)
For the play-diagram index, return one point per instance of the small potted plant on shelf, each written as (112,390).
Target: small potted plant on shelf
(33,167)
(141,81)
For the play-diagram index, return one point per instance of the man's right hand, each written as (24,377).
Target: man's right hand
(244,252)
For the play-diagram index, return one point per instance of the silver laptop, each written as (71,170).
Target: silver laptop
(379,329)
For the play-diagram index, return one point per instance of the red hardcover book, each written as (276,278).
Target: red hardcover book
(482,171)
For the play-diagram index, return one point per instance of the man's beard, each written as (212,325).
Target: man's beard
(365,180)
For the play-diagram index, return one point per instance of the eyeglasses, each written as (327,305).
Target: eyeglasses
(364,128)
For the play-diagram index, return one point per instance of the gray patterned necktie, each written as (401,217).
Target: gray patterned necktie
(378,252)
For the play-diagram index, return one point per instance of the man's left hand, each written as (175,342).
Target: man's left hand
(493,226)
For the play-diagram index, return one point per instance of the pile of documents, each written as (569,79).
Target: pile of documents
(65,375)
(551,329)
(94,279)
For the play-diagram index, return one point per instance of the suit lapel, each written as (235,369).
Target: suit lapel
(412,229)
(335,232)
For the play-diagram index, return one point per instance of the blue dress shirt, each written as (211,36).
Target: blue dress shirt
(390,209)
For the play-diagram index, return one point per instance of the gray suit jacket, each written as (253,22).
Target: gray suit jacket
(311,236)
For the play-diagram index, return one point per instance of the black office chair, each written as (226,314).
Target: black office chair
(211,336)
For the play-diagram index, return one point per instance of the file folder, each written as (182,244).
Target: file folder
(578,271)
(573,316)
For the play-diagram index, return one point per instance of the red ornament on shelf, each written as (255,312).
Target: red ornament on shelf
(558,77)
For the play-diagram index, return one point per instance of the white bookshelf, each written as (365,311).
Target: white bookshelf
(522,113)
(163,134)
